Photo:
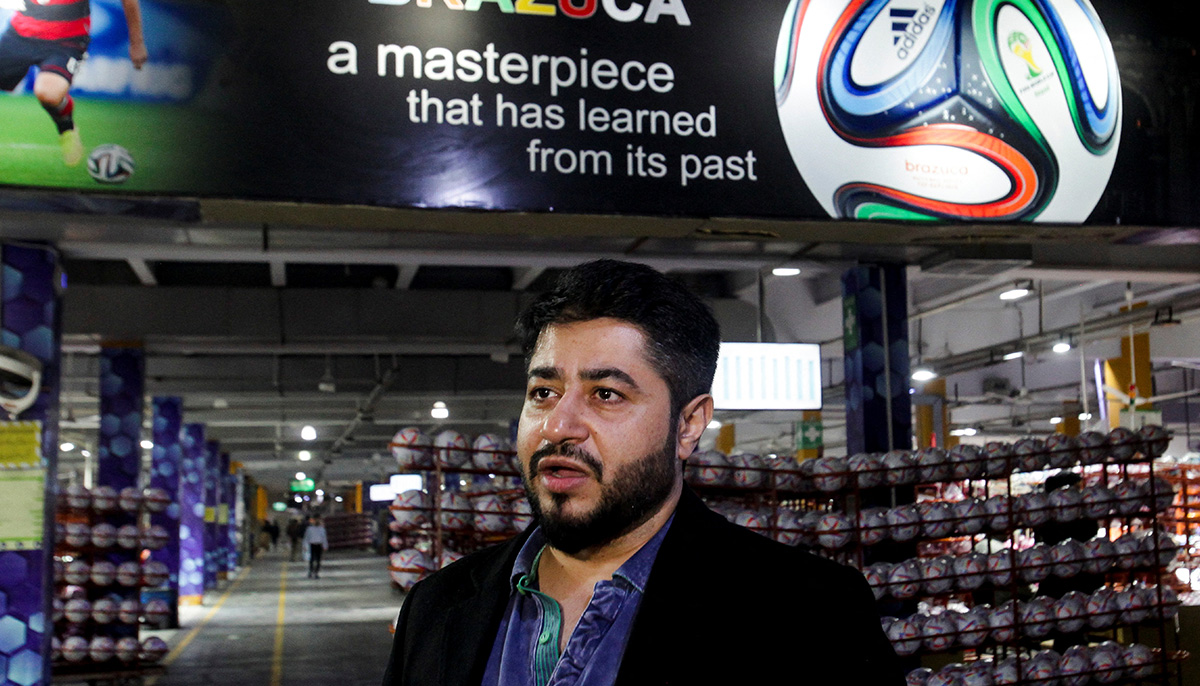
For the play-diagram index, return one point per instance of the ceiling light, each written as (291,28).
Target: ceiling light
(337,498)
(1084,416)
(300,476)
(965,431)
(327,383)
(308,433)
(1061,347)
(320,493)
(1016,354)
(439,411)
(1019,290)
(1056,420)
(67,447)
(714,424)
(147,444)
(786,271)
(923,374)
(85,453)
(304,456)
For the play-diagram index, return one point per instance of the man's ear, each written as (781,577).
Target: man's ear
(693,420)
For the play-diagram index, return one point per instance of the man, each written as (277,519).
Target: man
(318,543)
(53,35)
(626,577)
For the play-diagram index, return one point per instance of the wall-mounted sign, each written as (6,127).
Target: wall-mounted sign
(302,486)
(971,110)
(768,376)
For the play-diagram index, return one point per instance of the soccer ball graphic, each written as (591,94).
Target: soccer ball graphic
(110,164)
(978,110)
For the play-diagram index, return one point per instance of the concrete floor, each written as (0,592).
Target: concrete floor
(332,630)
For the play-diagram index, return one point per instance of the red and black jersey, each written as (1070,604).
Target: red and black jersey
(53,19)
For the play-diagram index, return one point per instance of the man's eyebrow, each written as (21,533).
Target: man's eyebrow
(608,373)
(548,373)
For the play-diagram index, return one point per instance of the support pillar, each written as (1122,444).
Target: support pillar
(875,333)
(191,515)
(212,485)
(165,461)
(30,321)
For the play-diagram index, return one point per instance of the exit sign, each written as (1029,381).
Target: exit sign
(303,486)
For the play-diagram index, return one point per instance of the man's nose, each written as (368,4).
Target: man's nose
(565,422)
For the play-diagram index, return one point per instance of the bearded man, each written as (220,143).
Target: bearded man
(625,576)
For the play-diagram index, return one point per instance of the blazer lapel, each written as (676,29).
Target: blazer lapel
(469,626)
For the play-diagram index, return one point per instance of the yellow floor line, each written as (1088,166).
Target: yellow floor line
(178,649)
(277,657)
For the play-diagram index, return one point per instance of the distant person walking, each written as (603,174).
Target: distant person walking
(317,542)
(295,532)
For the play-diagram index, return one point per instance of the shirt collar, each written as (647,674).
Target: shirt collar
(635,570)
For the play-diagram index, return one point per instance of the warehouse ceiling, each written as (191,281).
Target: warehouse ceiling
(265,318)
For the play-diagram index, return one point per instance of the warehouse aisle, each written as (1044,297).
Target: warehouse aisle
(273,626)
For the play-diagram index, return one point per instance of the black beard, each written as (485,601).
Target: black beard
(634,494)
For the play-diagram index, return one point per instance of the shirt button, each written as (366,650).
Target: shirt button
(544,638)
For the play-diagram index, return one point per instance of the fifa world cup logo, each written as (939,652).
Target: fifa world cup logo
(1019,44)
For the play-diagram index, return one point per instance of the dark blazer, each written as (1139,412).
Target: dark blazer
(723,605)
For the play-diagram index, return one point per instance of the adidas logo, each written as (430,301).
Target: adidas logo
(908,25)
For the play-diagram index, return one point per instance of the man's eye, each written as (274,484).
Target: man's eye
(540,393)
(607,394)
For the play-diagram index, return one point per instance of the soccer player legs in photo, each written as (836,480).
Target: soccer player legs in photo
(53,36)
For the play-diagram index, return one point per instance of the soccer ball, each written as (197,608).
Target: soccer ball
(955,111)
(110,163)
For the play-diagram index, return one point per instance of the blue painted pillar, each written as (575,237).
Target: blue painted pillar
(224,503)
(212,485)
(191,515)
(875,334)
(119,457)
(236,517)
(165,461)
(30,321)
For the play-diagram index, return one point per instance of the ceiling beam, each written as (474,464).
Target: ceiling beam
(143,271)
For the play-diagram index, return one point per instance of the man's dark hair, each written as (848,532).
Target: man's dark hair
(682,336)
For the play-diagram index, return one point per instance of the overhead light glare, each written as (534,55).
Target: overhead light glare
(924,374)
(85,453)
(965,431)
(786,271)
(714,424)
(300,476)
(1056,420)
(439,411)
(308,433)
(1061,347)
(147,444)
(67,447)
(304,455)
(1015,355)
(1084,416)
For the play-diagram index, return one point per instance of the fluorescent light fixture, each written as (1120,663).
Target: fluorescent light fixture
(300,476)
(400,483)
(147,444)
(1061,347)
(965,431)
(320,493)
(439,411)
(1084,416)
(786,271)
(768,376)
(308,433)
(714,424)
(67,447)
(1015,355)
(304,455)
(1056,420)
(337,498)
(85,453)
(381,493)
(1019,290)
(923,374)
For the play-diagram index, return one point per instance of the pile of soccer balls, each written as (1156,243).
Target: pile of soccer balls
(1036,618)
(1103,663)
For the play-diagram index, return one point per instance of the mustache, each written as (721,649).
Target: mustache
(569,450)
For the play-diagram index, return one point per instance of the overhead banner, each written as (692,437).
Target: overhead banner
(914,110)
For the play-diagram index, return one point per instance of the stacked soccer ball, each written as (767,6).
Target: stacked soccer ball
(1103,663)
(413,449)
(1037,618)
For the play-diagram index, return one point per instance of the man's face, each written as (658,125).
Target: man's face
(597,441)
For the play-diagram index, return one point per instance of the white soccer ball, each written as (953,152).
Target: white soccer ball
(999,513)
(104,535)
(154,573)
(1067,558)
(834,530)
(904,522)
(104,611)
(709,468)
(110,164)
(1139,660)
(74,648)
(153,649)
(1101,612)
(104,499)
(156,499)
(1033,564)
(937,574)
(999,459)
(937,518)
(1099,555)
(1030,454)
(103,573)
(451,449)
(1037,616)
(1074,666)
(868,469)
(127,649)
(933,465)
(456,511)
(830,474)
(156,612)
(1066,504)
(129,610)
(491,452)
(1062,450)
(748,470)
(77,610)
(412,449)
(973,627)
(1092,447)
(129,499)
(490,514)
(128,536)
(905,635)
(1002,621)
(901,468)
(904,579)
(410,509)
(939,631)
(873,525)
(970,571)
(407,567)
(970,516)
(129,574)
(786,473)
